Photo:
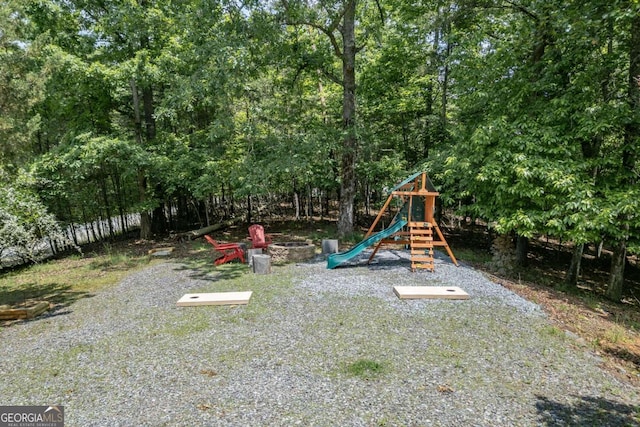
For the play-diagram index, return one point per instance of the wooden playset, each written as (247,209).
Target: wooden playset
(418,197)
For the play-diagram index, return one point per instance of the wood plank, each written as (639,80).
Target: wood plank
(424,266)
(419,224)
(430,292)
(217,298)
(24,312)
(421,259)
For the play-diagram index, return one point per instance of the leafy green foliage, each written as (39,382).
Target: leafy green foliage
(521,112)
(24,222)
(542,119)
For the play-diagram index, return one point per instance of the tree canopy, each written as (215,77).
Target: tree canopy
(524,112)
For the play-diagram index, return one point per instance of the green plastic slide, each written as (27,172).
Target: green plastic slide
(336,259)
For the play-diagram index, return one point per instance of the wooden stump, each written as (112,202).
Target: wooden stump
(251,253)
(261,264)
(329,246)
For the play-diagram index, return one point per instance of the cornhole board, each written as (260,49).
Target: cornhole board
(218,298)
(430,292)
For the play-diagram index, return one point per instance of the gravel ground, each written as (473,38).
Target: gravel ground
(129,357)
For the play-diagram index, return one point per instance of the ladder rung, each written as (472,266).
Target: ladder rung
(421,259)
(427,252)
(424,267)
(419,224)
(424,264)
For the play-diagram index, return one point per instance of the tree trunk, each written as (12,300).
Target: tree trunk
(631,136)
(574,269)
(445,79)
(616,277)
(145,218)
(522,249)
(349,144)
(159,220)
(249,209)
(296,204)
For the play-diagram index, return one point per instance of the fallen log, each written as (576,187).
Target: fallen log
(194,234)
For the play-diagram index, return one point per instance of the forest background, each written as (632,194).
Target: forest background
(525,113)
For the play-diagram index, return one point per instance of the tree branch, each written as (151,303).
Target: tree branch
(380,11)
(328,31)
(328,74)
(522,9)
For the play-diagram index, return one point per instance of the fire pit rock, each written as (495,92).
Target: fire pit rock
(282,253)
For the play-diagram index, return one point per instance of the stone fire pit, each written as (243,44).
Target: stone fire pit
(291,252)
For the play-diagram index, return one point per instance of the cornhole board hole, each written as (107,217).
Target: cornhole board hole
(218,298)
(430,292)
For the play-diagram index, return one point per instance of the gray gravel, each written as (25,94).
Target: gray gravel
(129,357)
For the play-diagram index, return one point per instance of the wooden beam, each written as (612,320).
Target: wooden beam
(375,222)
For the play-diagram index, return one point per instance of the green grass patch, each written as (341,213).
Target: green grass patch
(553,331)
(198,320)
(366,369)
(236,277)
(64,281)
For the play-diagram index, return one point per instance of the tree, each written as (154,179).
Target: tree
(338,21)
(25,222)
(21,87)
(627,218)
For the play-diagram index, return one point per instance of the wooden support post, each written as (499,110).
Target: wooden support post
(382,211)
(375,251)
(446,245)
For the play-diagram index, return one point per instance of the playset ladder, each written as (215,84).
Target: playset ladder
(421,244)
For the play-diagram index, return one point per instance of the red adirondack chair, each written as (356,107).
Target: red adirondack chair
(229,251)
(258,238)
